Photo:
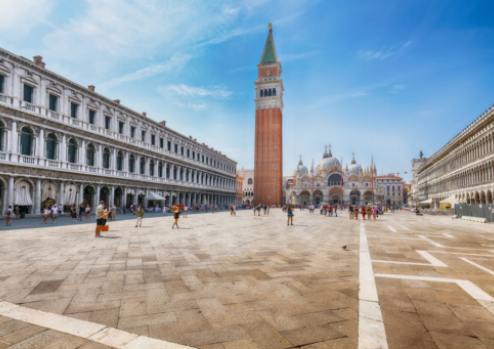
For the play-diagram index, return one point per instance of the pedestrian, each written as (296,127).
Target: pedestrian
(73,213)
(350,211)
(374,212)
(356,212)
(290,214)
(8,215)
(186,210)
(164,210)
(335,210)
(176,216)
(101,216)
(87,210)
(139,216)
(362,209)
(369,212)
(46,214)
(54,212)
(81,210)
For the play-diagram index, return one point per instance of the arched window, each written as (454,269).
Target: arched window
(160,169)
(90,151)
(151,168)
(335,179)
(269,92)
(262,93)
(51,147)
(132,164)
(142,166)
(274,92)
(106,158)
(120,159)
(72,151)
(249,181)
(2,135)
(27,141)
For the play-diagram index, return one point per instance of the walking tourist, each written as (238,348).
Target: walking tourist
(176,216)
(335,210)
(101,216)
(356,212)
(369,212)
(87,211)
(8,215)
(290,214)
(139,216)
(164,210)
(362,209)
(73,213)
(232,210)
(350,211)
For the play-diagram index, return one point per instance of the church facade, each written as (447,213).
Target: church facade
(331,182)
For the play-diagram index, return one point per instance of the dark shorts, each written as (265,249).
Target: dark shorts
(176,215)
(101,221)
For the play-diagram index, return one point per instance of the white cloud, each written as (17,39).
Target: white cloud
(174,64)
(383,53)
(184,90)
(19,17)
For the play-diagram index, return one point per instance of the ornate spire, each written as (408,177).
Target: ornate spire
(330,154)
(353,159)
(312,171)
(269,53)
(300,163)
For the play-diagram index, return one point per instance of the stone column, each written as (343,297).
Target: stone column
(126,162)
(111,200)
(61,194)
(10,192)
(13,142)
(41,144)
(82,152)
(37,198)
(81,194)
(63,149)
(96,196)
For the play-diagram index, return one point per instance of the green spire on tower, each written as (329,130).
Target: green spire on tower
(269,52)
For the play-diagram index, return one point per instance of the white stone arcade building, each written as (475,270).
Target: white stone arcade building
(330,182)
(64,143)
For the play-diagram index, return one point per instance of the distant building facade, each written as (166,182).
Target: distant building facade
(64,143)
(247,186)
(268,164)
(390,190)
(463,169)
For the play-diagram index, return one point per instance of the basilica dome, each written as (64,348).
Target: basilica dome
(354,169)
(329,162)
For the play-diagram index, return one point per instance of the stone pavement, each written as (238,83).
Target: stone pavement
(224,282)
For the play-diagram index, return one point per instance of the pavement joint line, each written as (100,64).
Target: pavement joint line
(432,261)
(449,236)
(481,267)
(464,254)
(432,242)
(371,331)
(84,329)
(392,229)
(482,297)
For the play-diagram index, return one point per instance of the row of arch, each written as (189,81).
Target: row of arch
(477,197)
(481,174)
(52,152)
(335,196)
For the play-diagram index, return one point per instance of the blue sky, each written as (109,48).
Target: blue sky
(382,78)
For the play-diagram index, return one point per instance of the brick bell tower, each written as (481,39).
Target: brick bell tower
(268,166)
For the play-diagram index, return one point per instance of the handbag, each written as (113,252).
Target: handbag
(105,228)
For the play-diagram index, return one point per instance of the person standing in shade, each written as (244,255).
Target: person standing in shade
(176,216)
(140,216)
(9,212)
(101,216)
(290,214)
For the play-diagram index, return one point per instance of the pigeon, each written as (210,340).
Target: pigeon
(344,247)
